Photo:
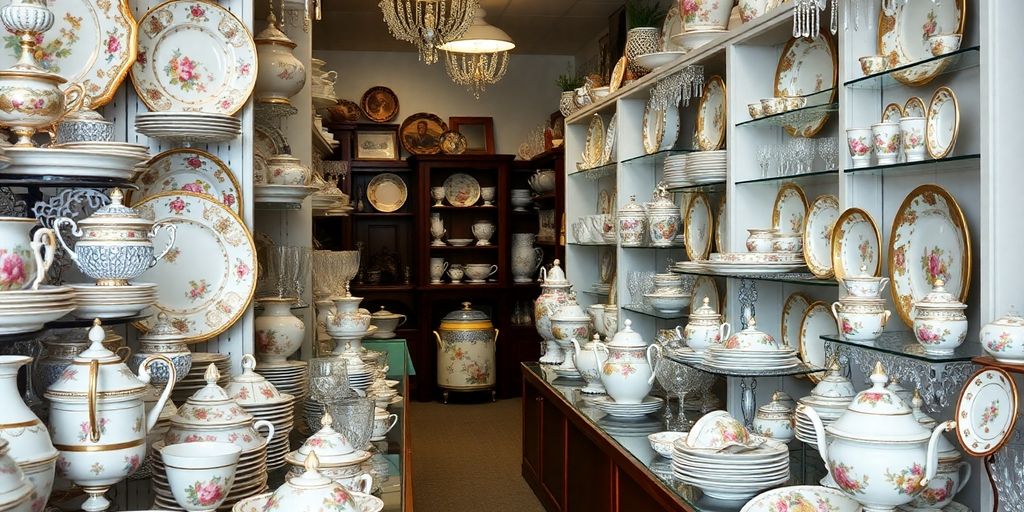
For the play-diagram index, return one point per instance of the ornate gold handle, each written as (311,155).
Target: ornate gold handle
(94,377)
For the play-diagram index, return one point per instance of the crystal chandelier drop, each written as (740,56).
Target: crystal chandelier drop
(480,57)
(428,24)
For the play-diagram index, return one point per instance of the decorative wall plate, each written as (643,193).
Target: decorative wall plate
(653,127)
(91,43)
(817,321)
(698,230)
(387,192)
(453,143)
(194,56)
(595,140)
(379,104)
(892,113)
(855,244)
(789,209)
(792,314)
(609,140)
(618,73)
(929,241)
(204,285)
(986,412)
(807,66)
(191,170)
(421,133)
(711,115)
(604,202)
(903,36)
(705,286)
(821,217)
(914,107)
(461,190)
(720,225)
(942,123)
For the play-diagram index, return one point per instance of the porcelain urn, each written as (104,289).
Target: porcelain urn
(554,293)
(663,220)
(466,346)
(940,324)
(30,444)
(280,74)
(526,259)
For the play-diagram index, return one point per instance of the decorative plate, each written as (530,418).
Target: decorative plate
(789,209)
(421,133)
(817,321)
(711,115)
(595,140)
(697,233)
(903,36)
(609,140)
(653,127)
(673,25)
(705,286)
(607,268)
(386,192)
(802,497)
(720,225)
(461,190)
(928,241)
(821,216)
(942,123)
(453,143)
(855,244)
(807,66)
(792,315)
(91,43)
(618,73)
(191,170)
(205,285)
(914,107)
(379,104)
(986,412)
(194,56)
(604,202)
(892,113)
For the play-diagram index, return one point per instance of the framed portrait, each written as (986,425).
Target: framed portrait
(377,145)
(479,133)
(421,133)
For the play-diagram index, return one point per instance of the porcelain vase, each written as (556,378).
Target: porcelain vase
(279,333)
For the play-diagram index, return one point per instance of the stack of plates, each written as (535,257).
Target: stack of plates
(675,171)
(727,359)
(92,301)
(75,163)
(188,126)
(30,310)
(195,381)
(732,476)
(610,407)
(287,194)
(689,355)
(760,263)
(110,148)
(250,479)
(282,415)
(289,377)
(828,410)
(705,167)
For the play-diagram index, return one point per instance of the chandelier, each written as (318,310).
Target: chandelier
(480,57)
(428,24)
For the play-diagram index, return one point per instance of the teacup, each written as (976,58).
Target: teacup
(760,240)
(437,193)
(24,259)
(871,287)
(912,134)
(944,43)
(755,110)
(772,106)
(456,274)
(860,323)
(787,242)
(886,137)
(200,474)
(718,430)
(382,424)
(795,102)
(859,142)
(872,64)
(479,272)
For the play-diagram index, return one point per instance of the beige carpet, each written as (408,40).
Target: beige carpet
(467,458)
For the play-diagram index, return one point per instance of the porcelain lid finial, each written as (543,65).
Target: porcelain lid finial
(96,332)
(878,375)
(312,463)
(117,197)
(212,375)
(327,420)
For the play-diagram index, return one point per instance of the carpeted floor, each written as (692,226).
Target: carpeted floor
(467,458)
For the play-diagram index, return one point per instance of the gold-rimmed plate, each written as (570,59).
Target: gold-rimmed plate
(595,140)
(192,170)
(856,243)
(609,140)
(653,127)
(720,225)
(942,123)
(986,411)
(699,227)
(914,107)
(821,217)
(807,66)
(903,35)
(817,321)
(711,115)
(892,113)
(929,241)
(387,192)
(789,209)
(792,315)
(618,73)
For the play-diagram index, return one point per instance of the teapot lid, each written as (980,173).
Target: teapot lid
(211,405)
(555,276)
(632,207)
(115,213)
(162,331)
(661,199)
(311,490)
(834,385)
(249,387)
(331,446)
(272,34)
(466,314)
(113,378)
(878,414)
(627,337)
(939,298)
(705,311)
(384,314)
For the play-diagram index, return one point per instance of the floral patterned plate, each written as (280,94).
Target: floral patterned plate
(942,123)
(892,113)
(802,497)
(191,170)
(720,225)
(986,412)
(928,241)
(91,43)
(653,127)
(790,209)
(698,227)
(817,321)
(792,315)
(855,244)
(903,36)
(461,190)
(595,141)
(821,216)
(711,115)
(807,66)
(609,141)
(206,285)
(914,107)
(386,192)
(194,56)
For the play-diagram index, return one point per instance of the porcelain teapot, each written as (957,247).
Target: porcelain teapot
(98,419)
(586,364)
(627,369)
(877,452)
(705,328)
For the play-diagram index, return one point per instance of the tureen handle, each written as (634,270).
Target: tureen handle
(724,331)
(403,320)
(144,376)
(74,98)
(94,376)
(171,229)
(44,245)
(651,361)
(932,466)
(265,424)
(75,231)
(882,284)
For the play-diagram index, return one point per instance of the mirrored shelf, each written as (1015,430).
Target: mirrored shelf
(952,163)
(644,309)
(592,244)
(904,344)
(803,278)
(593,293)
(655,157)
(674,245)
(828,176)
(964,58)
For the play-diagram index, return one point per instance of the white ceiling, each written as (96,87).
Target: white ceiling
(545,27)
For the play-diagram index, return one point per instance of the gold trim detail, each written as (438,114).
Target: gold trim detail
(819,272)
(22,424)
(887,24)
(790,129)
(951,96)
(1011,407)
(239,198)
(837,234)
(99,447)
(776,218)
(691,251)
(813,377)
(700,114)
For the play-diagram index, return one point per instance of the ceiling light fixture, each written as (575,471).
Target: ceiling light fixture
(428,24)
(480,57)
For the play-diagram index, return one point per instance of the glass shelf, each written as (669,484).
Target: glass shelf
(951,163)
(717,186)
(675,245)
(964,58)
(817,104)
(830,175)
(904,344)
(656,156)
(644,309)
(593,293)
(592,244)
(804,278)
(596,172)
(801,369)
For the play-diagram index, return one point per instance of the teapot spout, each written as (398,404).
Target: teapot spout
(819,432)
(932,465)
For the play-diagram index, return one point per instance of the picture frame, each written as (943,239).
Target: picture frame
(479,133)
(379,144)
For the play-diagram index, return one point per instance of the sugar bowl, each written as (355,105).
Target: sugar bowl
(861,319)
(1003,338)
(705,328)
(940,324)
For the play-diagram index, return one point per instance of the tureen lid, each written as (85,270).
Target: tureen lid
(632,207)
(571,311)
(863,275)
(330,445)
(661,200)
(466,314)
(758,340)
(384,314)
(251,388)
(112,375)
(1010,319)
(627,337)
(272,34)
(555,276)
(834,385)
(115,213)
(211,406)
(878,414)
(162,331)
(283,158)
(313,491)
(939,298)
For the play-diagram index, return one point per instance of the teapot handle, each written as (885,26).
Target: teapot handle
(94,377)
(392,421)
(651,362)
(172,229)
(836,308)
(127,353)
(438,336)
(496,334)
(75,231)
(882,284)
(44,245)
(144,376)
(932,464)
(364,482)
(403,320)
(332,76)
(493,270)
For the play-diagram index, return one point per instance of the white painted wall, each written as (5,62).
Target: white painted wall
(521,101)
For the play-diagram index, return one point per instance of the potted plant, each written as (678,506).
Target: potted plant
(643,19)
(568,83)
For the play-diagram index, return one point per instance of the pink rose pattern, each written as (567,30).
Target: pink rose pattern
(206,494)
(846,480)
(185,73)
(859,146)
(908,480)
(988,415)
(14,268)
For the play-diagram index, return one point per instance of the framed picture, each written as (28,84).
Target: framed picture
(479,133)
(377,145)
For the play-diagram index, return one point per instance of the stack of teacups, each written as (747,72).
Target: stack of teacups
(259,397)
(861,314)
(521,199)
(668,295)
(829,399)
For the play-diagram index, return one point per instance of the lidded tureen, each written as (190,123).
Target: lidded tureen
(570,322)
(705,328)
(1003,338)
(627,369)
(251,388)
(663,220)
(98,420)
(280,75)
(312,492)
(940,324)
(331,446)
(632,221)
(285,169)
(775,419)
(750,339)
(164,338)
(211,415)
(115,243)
(554,293)
(877,452)
(864,284)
